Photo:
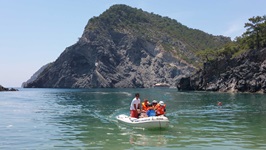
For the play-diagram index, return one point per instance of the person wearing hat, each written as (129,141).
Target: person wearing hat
(160,108)
(134,106)
(151,109)
(154,104)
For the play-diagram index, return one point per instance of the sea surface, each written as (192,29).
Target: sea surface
(81,119)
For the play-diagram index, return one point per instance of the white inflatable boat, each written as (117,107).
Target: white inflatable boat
(147,122)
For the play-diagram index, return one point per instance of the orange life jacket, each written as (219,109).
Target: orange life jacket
(160,110)
(145,107)
(156,106)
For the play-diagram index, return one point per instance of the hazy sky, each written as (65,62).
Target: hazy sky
(35,32)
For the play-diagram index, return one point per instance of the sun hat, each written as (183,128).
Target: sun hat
(154,101)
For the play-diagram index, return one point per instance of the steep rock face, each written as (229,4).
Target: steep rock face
(126,49)
(246,73)
(35,75)
(134,63)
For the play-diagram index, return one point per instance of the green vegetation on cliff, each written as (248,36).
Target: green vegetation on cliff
(253,38)
(172,35)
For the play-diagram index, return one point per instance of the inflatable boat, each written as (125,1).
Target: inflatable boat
(146,122)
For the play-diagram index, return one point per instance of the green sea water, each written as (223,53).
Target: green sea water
(85,119)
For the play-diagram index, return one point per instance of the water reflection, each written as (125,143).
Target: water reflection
(147,140)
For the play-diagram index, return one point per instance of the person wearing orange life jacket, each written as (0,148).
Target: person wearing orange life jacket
(160,108)
(145,105)
(154,104)
(151,109)
(144,108)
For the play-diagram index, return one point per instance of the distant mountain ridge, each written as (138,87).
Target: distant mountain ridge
(127,47)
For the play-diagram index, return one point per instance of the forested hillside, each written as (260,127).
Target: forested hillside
(183,41)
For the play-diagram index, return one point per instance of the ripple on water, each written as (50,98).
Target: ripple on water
(85,119)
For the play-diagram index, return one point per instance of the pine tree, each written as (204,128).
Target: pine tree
(256,31)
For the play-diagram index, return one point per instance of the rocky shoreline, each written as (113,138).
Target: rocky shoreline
(246,73)
(7,89)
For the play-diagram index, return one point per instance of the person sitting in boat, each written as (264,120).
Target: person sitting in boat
(151,111)
(160,108)
(154,104)
(135,106)
(145,105)
(144,108)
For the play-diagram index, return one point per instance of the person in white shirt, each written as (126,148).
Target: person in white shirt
(134,106)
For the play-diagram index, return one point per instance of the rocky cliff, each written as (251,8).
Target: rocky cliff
(246,73)
(35,75)
(127,47)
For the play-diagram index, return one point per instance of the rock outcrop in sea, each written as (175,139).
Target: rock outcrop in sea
(246,73)
(7,89)
(126,48)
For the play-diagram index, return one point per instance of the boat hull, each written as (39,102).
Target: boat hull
(147,122)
